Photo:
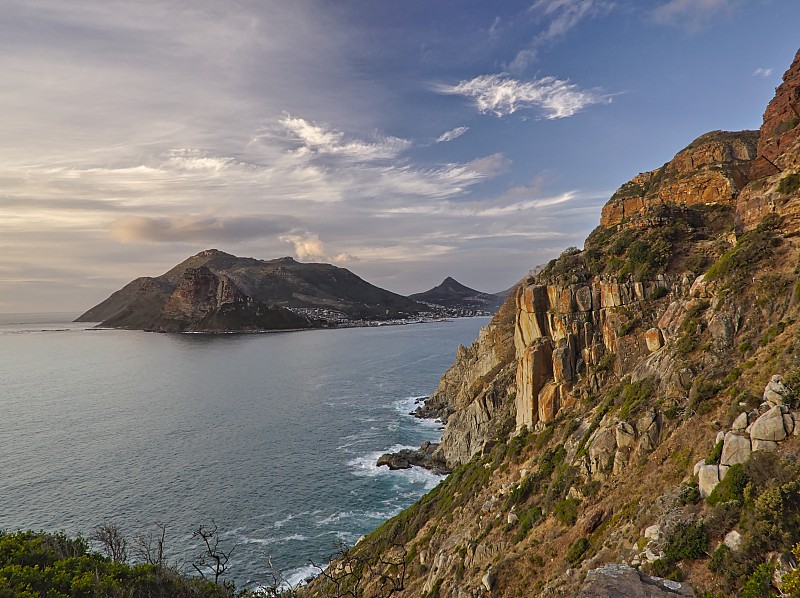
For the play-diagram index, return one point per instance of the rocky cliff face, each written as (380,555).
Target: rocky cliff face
(641,418)
(776,169)
(712,169)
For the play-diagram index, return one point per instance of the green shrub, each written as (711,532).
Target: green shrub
(789,184)
(634,397)
(760,583)
(660,292)
(689,494)
(687,541)
(731,488)
(577,551)
(566,511)
(666,569)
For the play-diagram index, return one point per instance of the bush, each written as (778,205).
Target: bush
(577,551)
(789,184)
(687,541)
(760,583)
(634,397)
(731,488)
(566,511)
(666,569)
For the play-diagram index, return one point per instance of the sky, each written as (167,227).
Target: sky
(404,140)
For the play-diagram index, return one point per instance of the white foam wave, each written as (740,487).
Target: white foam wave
(275,540)
(366,465)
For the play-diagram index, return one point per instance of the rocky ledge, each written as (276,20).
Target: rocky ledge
(425,456)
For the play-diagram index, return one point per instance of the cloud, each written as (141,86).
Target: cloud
(202,229)
(763,72)
(452,134)
(308,248)
(560,17)
(324,140)
(490,166)
(502,95)
(691,14)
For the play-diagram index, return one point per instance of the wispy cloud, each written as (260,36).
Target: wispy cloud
(692,14)
(559,18)
(325,140)
(502,95)
(202,229)
(763,72)
(452,134)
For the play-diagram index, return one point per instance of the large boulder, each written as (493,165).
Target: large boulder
(707,479)
(776,392)
(617,581)
(735,449)
(772,425)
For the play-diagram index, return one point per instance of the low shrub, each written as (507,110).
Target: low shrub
(577,551)
(566,511)
(731,488)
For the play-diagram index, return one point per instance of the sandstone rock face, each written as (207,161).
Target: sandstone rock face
(778,154)
(561,335)
(615,581)
(712,169)
(473,389)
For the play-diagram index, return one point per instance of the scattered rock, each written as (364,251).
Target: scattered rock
(733,540)
(653,533)
(489,579)
(512,518)
(697,466)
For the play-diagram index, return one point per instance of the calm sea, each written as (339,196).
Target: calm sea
(274,437)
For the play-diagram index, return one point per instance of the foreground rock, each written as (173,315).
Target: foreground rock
(622,581)
(425,456)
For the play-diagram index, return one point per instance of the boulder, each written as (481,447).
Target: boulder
(654,339)
(736,449)
(601,449)
(770,426)
(776,392)
(615,580)
(733,540)
(740,423)
(583,298)
(707,479)
(653,533)
(697,466)
(764,445)
(489,579)
(626,435)
(512,518)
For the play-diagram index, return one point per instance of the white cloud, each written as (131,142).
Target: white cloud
(560,17)
(502,95)
(308,247)
(763,72)
(452,134)
(321,139)
(692,14)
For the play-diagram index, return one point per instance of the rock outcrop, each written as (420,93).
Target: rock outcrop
(777,157)
(206,302)
(618,581)
(713,169)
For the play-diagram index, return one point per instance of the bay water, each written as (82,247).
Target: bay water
(273,436)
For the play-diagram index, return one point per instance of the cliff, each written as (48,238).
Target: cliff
(631,413)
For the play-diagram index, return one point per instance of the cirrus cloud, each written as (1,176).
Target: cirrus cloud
(502,95)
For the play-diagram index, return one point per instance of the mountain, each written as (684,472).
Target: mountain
(452,294)
(217,290)
(628,423)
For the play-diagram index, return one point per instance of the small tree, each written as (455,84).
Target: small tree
(114,543)
(149,547)
(214,559)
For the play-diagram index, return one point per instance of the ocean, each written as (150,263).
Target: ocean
(272,437)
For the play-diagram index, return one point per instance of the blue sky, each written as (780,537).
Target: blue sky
(407,141)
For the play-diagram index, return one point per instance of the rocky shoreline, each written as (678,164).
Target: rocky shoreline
(428,456)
